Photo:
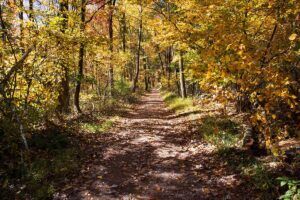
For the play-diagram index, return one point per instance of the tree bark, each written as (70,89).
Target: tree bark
(182,79)
(124,31)
(177,82)
(146,77)
(81,60)
(30,15)
(64,92)
(168,67)
(111,47)
(2,25)
(137,71)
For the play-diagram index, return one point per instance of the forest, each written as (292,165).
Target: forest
(150,99)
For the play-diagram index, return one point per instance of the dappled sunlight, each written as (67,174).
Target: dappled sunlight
(167,151)
(146,139)
(146,158)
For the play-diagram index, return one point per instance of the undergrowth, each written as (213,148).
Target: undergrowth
(54,152)
(221,132)
(52,155)
(252,170)
(177,104)
(225,134)
(92,127)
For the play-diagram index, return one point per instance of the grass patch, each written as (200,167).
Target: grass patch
(252,169)
(225,135)
(92,127)
(178,104)
(220,132)
(43,173)
(53,155)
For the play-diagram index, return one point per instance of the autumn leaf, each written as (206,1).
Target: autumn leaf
(293,36)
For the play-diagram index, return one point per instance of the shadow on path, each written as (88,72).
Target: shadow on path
(148,155)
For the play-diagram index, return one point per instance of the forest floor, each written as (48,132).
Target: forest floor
(150,153)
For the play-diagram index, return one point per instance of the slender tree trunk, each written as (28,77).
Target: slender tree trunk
(21,17)
(161,64)
(123,30)
(111,47)
(2,25)
(64,92)
(81,59)
(193,89)
(168,63)
(177,82)
(80,76)
(146,78)
(149,76)
(182,79)
(137,71)
(2,34)
(30,15)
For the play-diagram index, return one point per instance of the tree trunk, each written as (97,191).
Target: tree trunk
(124,31)
(30,15)
(21,17)
(137,71)
(161,64)
(193,89)
(80,76)
(3,27)
(111,47)
(146,77)
(168,67)
(81,60)
(177,82)
(182,79)
(64,92)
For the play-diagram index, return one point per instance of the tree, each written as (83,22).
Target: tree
(182,79)
(138,52)
(64,91)
(111,46)
(81,58)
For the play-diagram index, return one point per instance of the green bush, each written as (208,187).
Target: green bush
(98,127)
(123,91)
(252,169)
(220,132)
(43,172)
(292,188)
(179,104)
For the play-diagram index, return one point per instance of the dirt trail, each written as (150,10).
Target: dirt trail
(147,156)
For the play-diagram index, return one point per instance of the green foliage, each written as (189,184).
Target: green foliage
(168,97)
(92,127)
(53,156)
(44,172)
(179,104)
(292,188)
(252,169)
(221,132)
(123,91)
